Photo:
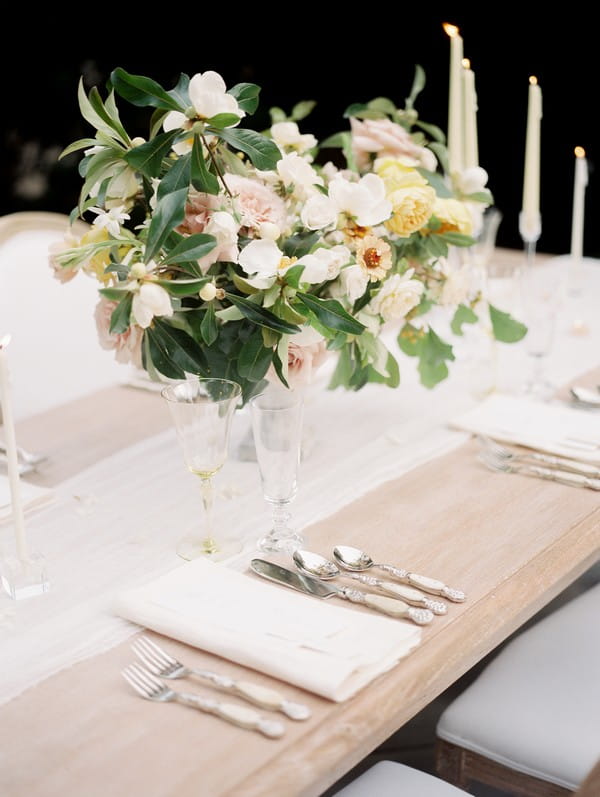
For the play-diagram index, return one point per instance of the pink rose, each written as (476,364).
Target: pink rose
(128,345)
(386,139)
(198,211)
(62,273)
(256,201)
(304,357)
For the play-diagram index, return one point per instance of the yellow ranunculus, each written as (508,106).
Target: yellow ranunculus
(412,209)
(97,263)
(454,215)
(396,174)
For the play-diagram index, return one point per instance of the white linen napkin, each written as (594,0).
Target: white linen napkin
(555,428)
(329,650)
(33,497)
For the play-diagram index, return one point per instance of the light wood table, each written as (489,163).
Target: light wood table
(513,543)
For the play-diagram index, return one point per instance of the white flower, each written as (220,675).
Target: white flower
(287,134)
(123,185)
(472,180)
(296,172)
(339,256)
(149,301)
(397,297)
(225,229)
(352,283)
(456,287)
(263,261)
(330,171)
(208,292)
(208,95)
(318,212)
(110,220)
(172,121)
(269,230)
(364,201)
(316,266)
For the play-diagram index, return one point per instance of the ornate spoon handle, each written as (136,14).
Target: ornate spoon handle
(431,585)
(413,596)
(389,606)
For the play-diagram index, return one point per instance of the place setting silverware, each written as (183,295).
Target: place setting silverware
(355,560)
(501,464)
(530,456)
(584,397)
(314,564)
(161,664)
(149,687)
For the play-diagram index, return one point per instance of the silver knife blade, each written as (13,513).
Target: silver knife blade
(290,578)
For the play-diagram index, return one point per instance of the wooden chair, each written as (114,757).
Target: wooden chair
(530,723)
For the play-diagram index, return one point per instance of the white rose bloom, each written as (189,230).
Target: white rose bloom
(456,287)
(339,257)
(365,201)
(225,229)
(316,265)
(318,212)
(287,134)
(208,95)
(172,121)
(398,296)
(261,260)
(297,172)
(352,283)
(472,180)
(151,300)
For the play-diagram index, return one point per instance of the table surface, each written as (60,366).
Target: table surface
(513,549)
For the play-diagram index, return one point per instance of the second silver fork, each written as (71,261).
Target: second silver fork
(501,465)
(563,463)
(160,663)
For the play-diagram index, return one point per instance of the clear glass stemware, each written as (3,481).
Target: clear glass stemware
(277,427)
(202,410)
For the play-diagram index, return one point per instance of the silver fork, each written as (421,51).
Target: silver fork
(562,463)
(162,664)
(150,688)
(562,476)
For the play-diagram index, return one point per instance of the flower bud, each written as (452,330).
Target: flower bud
(137,271)
(269,231)
(138,141)
(208,292)
(220,294)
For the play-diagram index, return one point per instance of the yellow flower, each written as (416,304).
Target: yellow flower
(454,215)
(374,256)
(98,262)
(412,209)
(397,174)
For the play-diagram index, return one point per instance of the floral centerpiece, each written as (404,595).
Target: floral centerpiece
(225,252)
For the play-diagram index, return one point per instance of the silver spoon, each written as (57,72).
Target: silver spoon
(316,565)
(354,559)
(390,606)
(586,396)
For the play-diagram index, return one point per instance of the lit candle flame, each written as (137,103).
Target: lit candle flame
(450,30)
(533,80)
(466,63)
(579,152)
(4,341)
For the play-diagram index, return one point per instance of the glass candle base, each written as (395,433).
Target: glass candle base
(193,547)
(24,578)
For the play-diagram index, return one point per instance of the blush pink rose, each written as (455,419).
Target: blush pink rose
(305,357)
(128,345)
(198,211)
(61,273)
(384,138)
(256,202)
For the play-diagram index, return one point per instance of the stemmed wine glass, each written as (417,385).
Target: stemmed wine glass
(202,410)
(277,427)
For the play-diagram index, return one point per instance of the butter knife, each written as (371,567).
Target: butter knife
(319,589)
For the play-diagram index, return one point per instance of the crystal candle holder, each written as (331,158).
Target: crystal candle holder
(24,578)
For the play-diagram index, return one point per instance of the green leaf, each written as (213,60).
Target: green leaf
(343,369)
(243,286)
(441,152)
(409,339)
(222,120)
(156,121)
(456,238)
(279,370)
(277,115)
(81,143)
(481,196)
(392,378)
(119,320)
(293,275)
(209,329)
(111,119)
(254,358)
(148,157)
(286,311)
(178,176)
(353,109)
(433,353)
(142,91)
(258,315)
(191,247)
(334,141)
(169,213)
(97,167)
(119,269)
(91,115)
(246,95)
(433,131)
(300,244)
(463,315)
(437,182)
(331,314)
(202,179)
(180,92)
(417,87)
(382,104)
(183,287)
(263,152)
(505,327)
(177,347)
(302,109)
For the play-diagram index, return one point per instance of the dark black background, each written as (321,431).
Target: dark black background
(365,52)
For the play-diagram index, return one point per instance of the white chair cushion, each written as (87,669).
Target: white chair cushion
(390,779)
(536,707)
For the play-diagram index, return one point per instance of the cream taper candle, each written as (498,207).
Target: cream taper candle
(11,452)
(470,145)
(581,180)
(455,104)
(531,176)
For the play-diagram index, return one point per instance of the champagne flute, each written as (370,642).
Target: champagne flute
(277,428)
(202,410)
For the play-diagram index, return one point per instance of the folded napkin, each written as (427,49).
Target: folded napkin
(32,497)
(555,428)
(329,650)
